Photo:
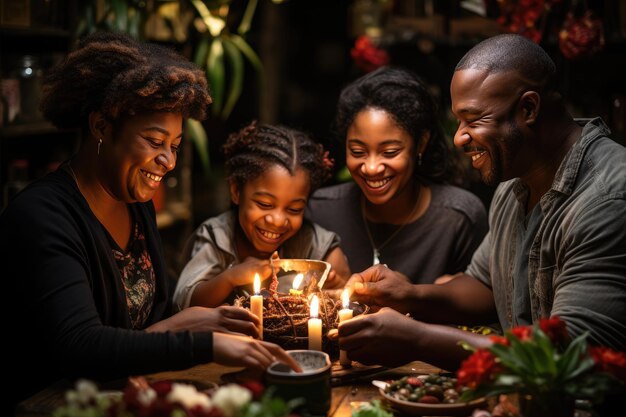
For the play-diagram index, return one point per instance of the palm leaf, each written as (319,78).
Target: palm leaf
(196,133)
(216,74)
(235,60)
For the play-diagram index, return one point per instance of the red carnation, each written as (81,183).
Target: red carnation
(609,361)
(367,56)
(522,332)
(555,329)
(481,367)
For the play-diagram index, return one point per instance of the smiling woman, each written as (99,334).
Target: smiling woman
(399,209)
(80,247)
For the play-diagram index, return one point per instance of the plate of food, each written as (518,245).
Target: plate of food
(431,395)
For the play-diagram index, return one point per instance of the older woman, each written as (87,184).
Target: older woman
(84,269)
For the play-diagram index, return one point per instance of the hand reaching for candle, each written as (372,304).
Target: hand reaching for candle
(379,286)
(385,338)
(232,350)
(226,319)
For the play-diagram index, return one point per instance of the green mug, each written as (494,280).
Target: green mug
(312,385)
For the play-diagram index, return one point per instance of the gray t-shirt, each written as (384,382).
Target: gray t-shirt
(577,259)
(441,241)
(211,250)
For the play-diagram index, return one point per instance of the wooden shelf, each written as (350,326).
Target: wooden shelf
(28,129)
(173,213)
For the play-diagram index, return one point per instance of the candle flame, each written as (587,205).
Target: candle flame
(315,306)
(257,283)
(345,298)
(297,281)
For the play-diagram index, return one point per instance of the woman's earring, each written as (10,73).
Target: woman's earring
(100,143)
(419,159)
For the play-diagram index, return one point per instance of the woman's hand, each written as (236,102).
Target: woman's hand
(225,319)
(233,350)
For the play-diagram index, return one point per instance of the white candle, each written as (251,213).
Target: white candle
(295,285)
(345,314)
(315,326)
(256,304)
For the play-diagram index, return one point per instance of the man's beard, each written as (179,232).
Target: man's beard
(502,155)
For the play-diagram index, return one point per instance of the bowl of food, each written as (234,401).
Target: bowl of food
(432,395)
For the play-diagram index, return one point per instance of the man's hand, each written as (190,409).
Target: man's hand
(379,286)
(385,338)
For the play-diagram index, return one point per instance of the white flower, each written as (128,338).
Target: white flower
(85,392)
(188,396)
(230,398)
(146,396)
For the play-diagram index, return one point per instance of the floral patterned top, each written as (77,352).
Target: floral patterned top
(138,276)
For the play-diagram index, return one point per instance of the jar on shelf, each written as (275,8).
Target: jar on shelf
(30,76)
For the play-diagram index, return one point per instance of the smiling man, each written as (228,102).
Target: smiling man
(557,239)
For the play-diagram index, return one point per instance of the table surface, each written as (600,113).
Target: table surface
(350,386)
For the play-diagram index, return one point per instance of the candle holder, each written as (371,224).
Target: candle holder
(286,314)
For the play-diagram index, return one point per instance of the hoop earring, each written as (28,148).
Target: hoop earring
(419,159)
(100,143)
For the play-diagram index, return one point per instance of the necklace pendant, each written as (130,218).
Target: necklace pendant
(376,259)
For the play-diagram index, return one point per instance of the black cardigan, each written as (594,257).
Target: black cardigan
(63,296)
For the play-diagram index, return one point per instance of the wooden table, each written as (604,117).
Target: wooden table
(350,387)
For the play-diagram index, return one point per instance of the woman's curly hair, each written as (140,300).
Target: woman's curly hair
(120,76)
(404,96)
(257,147)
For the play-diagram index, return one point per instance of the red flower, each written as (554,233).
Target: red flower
(555,329)
(367,56)
(522,332)
(609,361)
(481,367)
(500,340)
(582,37)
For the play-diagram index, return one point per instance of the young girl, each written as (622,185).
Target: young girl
(271,171)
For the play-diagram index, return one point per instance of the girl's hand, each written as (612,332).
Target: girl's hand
(243,273)
(225,319)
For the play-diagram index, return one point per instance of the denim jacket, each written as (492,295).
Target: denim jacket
(577,261)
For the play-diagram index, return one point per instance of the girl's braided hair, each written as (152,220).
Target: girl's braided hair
(257,147)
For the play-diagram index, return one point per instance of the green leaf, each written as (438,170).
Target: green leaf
(215,25)
(248,14)
(120,10)
(235,60)
(252,56)
(196,134)
(216,74)
(202,51)
(373,409)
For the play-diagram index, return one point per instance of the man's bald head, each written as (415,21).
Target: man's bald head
(511,52)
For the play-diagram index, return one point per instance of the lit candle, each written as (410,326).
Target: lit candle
(315,326)
(256,303)
(295,285)
(345,314)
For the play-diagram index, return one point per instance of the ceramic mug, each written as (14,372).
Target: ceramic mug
(312,384)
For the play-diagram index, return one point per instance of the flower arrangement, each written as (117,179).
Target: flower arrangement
(367,55)
(580,34)
(173,399)
(541,361)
